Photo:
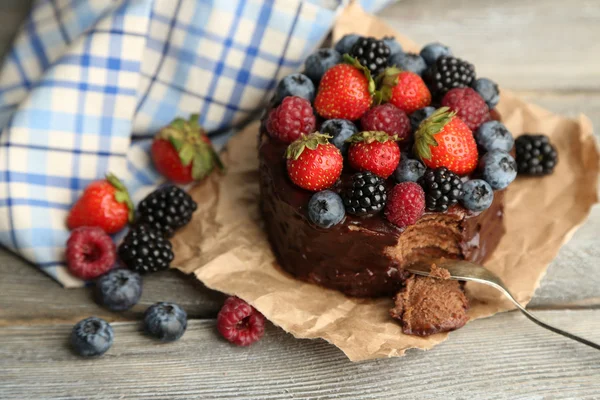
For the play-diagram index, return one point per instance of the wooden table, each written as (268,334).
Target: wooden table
(549,52)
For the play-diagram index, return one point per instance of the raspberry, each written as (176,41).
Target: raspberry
(239,322)
(292,119)
(406,204)
(387,118)
(90,252)
(469,106)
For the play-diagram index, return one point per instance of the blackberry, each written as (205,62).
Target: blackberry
(144,250)
(442,187)
(535,155)
(449,73)
(371,53)
(367,195)
(166,209)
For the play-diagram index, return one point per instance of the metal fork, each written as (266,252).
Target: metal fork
(465,271)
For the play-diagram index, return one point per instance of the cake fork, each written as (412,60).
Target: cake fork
(465,271)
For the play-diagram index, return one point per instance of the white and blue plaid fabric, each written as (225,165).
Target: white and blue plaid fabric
(85,77)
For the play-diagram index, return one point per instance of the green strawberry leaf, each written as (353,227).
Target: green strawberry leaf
(186,154)
(121,194)
(424,136)
(370,137)
(311,141)
(354,62)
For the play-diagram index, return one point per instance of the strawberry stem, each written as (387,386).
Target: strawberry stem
(122,194)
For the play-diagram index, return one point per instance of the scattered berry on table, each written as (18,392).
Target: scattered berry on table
(442,187)
(339,130)
(409,62)
(320,61)
(298,85)
(119,289)
(448,73)
(498,168)
(240,323)
(371,53)
(374,151)
(367,195)
(386,118)
(92,337)
(488,90)
(469,106)
(409,170)
(493,135)
(418,116)
(406,90)
(432,51)
(90,252)
(326,209)
(166,209)
(144,250)
(344,45)
(444,140)
(293,118)
(105,204)
(406,204)
(313,163)
(393,45)
(477,195)
(535,155)
(165,321)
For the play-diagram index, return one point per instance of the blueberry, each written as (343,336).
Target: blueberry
(340,130)
(409,62)
(493,135)
(393,44)
(477,195)
(344,45)
(418,116)
(488,90)
(433,51)
(119,289)
(165,321)
(320,61)
(326,209)
(408,170)
(92,337)
(294,85)
(498,168)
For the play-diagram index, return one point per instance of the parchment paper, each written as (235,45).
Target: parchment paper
(227,249)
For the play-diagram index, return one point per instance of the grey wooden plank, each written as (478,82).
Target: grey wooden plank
(504,357)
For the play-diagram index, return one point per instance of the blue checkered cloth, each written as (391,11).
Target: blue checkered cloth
(87,80)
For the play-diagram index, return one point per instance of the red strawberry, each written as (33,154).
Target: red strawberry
(313,163)
(444,140)
(406,90)
(345,91)
(374,151)
(405,205)
(183,153)
(105,204)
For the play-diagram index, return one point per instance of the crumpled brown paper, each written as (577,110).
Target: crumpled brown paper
(227,249)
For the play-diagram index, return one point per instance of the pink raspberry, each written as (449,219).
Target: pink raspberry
(239,322)
(293,118)
(90,252)
(469,106)
(406,204)
(387,118)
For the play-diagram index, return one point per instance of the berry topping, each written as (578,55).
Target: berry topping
(92,337)
(418,116)
(240,323)
(166,209)
(326,209)
(374,151)
(448,73)
(409,62)
(406,90)
(386,118)
(320,61)
(535,155)
(291,119)
(367,195)
(165,321)
(313,163)
(488,90)
(372,53)
(393,45)
(144,250)
(469,106)
(298,85)
(433,51)
(344,45)
(339,130)
(90,252)
(477,195)
(444,140)
(493,135)
(119,289)
(498,168)
(442,189)
(408,170)
(406,204)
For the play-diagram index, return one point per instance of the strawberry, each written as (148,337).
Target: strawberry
(444,140)
(105,204)
(345,91)
(183,153)
(313,163)
(374,151)
(406,90)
